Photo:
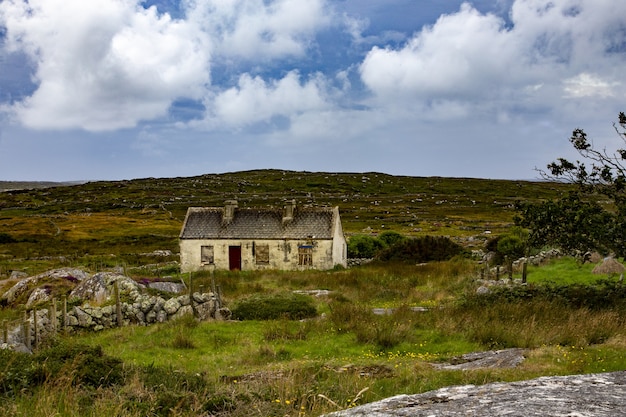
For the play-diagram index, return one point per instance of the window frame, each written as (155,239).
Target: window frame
(207,255)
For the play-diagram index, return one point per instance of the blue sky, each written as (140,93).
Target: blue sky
(121,89)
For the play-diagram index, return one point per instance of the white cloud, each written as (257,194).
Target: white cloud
(255,100)
(259,29)
(103,64)
(478,60)
(589,85)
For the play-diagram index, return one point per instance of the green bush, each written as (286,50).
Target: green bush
(6,238)
(16,372)
(87,365)
(602,294)
(363,246)
(270,307)
(84,365)
(421,249)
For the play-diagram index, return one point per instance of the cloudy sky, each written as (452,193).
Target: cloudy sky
(120,89)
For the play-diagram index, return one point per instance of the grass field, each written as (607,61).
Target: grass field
(345,356)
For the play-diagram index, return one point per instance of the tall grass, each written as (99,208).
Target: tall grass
(344,357)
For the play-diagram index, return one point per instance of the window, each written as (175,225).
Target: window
(262,254)
(206,255)
(305,255)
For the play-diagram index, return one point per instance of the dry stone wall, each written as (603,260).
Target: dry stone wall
(98,302)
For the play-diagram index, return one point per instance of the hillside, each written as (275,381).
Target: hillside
(139,216)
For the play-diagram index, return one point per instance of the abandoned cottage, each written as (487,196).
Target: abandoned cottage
(234,238)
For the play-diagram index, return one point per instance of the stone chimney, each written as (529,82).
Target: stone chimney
(229,211)
(288,211)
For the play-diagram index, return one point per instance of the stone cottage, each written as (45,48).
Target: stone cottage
(233,238)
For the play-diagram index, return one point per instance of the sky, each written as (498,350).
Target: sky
(123,89)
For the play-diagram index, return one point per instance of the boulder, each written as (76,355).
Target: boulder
(93,289)
(38,295)
(171,287)
(171,306)
(593,395)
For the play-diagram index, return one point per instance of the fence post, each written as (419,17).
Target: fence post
(26,330)
(510,266)
(64,314)
(52,315)
(497,272)
(524,272)
(35,329)
(118,303)
(6,331)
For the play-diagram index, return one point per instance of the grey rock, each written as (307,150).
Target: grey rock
(206,311)
(151,316)
(593,395)
(223,314)
(161,316)
(38,295)
(505,358)
(171,306)
(83,319)
(146,304)
(92,289)
(183,311)
(72,321)
(171,287)
(18,275)
(184,300)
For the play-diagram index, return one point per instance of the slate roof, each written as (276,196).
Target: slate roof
(247,223)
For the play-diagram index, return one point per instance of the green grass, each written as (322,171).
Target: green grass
(326,364)
(565,270)
(346,356)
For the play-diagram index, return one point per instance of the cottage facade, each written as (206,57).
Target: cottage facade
(233,238)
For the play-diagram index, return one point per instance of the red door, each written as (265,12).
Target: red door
(234,258)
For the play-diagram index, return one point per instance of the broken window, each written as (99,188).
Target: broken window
(206,255)
(262,254)
(305,255)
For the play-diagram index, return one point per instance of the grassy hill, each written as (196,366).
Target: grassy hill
(125,218)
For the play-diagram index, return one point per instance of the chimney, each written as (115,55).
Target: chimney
(288,211)
(229,211)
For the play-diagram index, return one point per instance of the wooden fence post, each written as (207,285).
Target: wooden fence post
(35,329)
(64,314)
(6,331)
(524,272)
(510,267)
(118,304)
(26,330)
(52,315)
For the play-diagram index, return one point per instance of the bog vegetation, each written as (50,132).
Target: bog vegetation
(348,336)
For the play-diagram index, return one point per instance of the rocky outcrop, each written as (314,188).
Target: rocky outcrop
(594,395)
(27,284)
(505,358)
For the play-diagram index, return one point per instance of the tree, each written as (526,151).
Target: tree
(578,221)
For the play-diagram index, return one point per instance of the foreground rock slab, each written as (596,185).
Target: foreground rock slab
(593,395)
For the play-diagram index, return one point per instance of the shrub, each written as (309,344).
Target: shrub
(276,306)
(6,238)
(16,371)
(85,365)
(421,249)
(362,246)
